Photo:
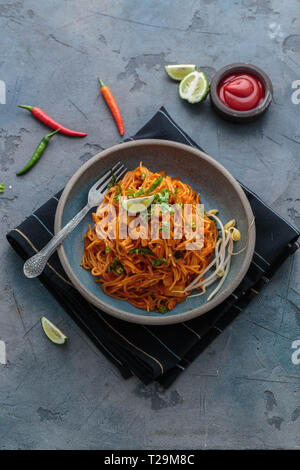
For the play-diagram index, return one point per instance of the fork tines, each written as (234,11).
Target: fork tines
(118,171)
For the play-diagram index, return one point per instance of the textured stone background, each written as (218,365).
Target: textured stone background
(244,391)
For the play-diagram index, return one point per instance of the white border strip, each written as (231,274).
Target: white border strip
(2,352)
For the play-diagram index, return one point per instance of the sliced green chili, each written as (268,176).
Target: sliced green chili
(131,193)
(141,251)
(154,185)
(38,153)
(158,261)
(139,193)
(1,188)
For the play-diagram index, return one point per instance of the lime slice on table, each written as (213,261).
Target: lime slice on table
(178,72)
(139,204)
(52,332)
(194,87)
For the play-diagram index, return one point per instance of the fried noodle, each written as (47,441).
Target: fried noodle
(147,284)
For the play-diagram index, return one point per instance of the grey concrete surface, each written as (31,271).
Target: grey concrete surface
(244,391)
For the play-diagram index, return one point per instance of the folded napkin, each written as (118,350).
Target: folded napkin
(158,353)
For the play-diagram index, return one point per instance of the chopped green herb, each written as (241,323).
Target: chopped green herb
(144,176)
(162,197)
(165,227)
(163,309)
(117,197)
(116,266)
(158,261)
(113,265)
(165,207)
(118,192)
(119,269)
(112,181)
(107,249)
(193,224)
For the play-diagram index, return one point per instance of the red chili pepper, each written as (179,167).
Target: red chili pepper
(111,103)
(43,117)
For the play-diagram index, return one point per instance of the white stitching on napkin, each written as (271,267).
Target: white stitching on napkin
(2,353)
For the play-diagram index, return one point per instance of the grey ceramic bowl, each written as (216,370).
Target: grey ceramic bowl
(218,190)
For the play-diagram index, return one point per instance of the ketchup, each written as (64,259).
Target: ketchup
(241,91)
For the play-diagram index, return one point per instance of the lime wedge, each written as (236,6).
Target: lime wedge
(52,332)
(139,204)
(178,72)
(194,87)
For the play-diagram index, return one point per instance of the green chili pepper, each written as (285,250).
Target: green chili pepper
(139,193)
(2,188)
(154,185)
(38,153)
(144,176)
(131,193)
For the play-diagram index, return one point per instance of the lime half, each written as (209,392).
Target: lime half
(52,332)
(194,87)
(178,72)
(139,204)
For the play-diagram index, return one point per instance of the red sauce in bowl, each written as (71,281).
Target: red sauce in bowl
(241,91)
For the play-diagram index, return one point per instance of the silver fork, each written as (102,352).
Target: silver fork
(35,265)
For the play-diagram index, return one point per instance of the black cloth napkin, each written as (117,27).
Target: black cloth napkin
(158,353)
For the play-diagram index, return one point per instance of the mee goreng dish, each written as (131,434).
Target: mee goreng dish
(153,244)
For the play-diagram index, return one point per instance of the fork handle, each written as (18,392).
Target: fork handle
(35,265)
